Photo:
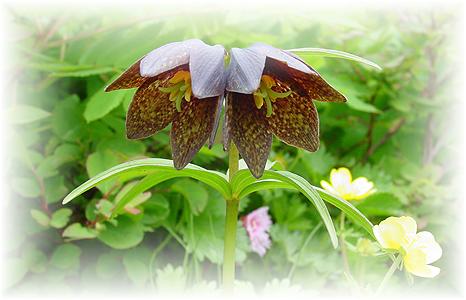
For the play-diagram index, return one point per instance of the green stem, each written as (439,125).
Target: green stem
(389,274)
(153,256)
(232,206)
(303,247)
(344,251)
(233,161)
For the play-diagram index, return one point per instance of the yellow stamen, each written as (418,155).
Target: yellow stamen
(179,88)
(180,76)
(259,100)
(265,94)
(268,81)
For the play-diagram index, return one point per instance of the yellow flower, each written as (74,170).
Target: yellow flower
(418,250)
(341,184)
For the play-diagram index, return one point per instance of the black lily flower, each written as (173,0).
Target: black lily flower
(181,83)
(271,92)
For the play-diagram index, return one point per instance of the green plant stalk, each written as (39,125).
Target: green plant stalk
(344,251)
(232,206)
(389,274)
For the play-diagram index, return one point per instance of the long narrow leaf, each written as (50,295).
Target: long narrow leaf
(303,52)
(142,167)
(351,211)
(260,185)
(311,194)
(142,186)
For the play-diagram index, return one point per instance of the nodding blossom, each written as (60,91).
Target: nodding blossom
(271,92)
(181,83)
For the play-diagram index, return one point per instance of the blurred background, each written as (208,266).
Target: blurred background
(400,129)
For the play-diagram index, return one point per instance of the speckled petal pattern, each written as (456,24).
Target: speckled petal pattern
(250,132)
(150,110)
(295,120)
(191,128)
(310,85)
(129,79)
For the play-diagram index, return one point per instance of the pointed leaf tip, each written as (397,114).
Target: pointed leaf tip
(302,52)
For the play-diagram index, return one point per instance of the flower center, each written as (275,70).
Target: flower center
(179,87)
(265,94)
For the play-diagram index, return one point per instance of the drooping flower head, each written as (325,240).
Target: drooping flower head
(257,224)
(271,92)
(180,83)
(342,185)
(418,249)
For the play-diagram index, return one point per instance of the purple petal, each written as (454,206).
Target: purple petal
(206,64)
(167,57)
(281,55)
(245,70)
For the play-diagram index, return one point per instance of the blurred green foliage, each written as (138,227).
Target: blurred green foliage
(397,129)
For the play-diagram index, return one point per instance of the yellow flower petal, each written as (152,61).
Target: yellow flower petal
(389,235)
(361,188)
(329,188)
(341,182)
(409,226)
(425,241)
(395,233)
(415,262)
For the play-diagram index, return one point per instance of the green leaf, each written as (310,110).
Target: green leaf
(311,194)
(264,184)
(309,52)
(24,114)
(142,167)
(98,162)
(380,204)
(26,187)
(351,211)
(60,217)
(55,188)
(195,194)
(143,185)
(125,234)
(67,120)
(355,103)
(101,103)
(77,231)
(40,217)
(156,210)
(66,257)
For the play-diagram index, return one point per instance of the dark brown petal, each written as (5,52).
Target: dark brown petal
(151,110)
(129,79)
(310,85)
(217,119)
(191,128)
(295,120)
(226,131)
(249,131)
